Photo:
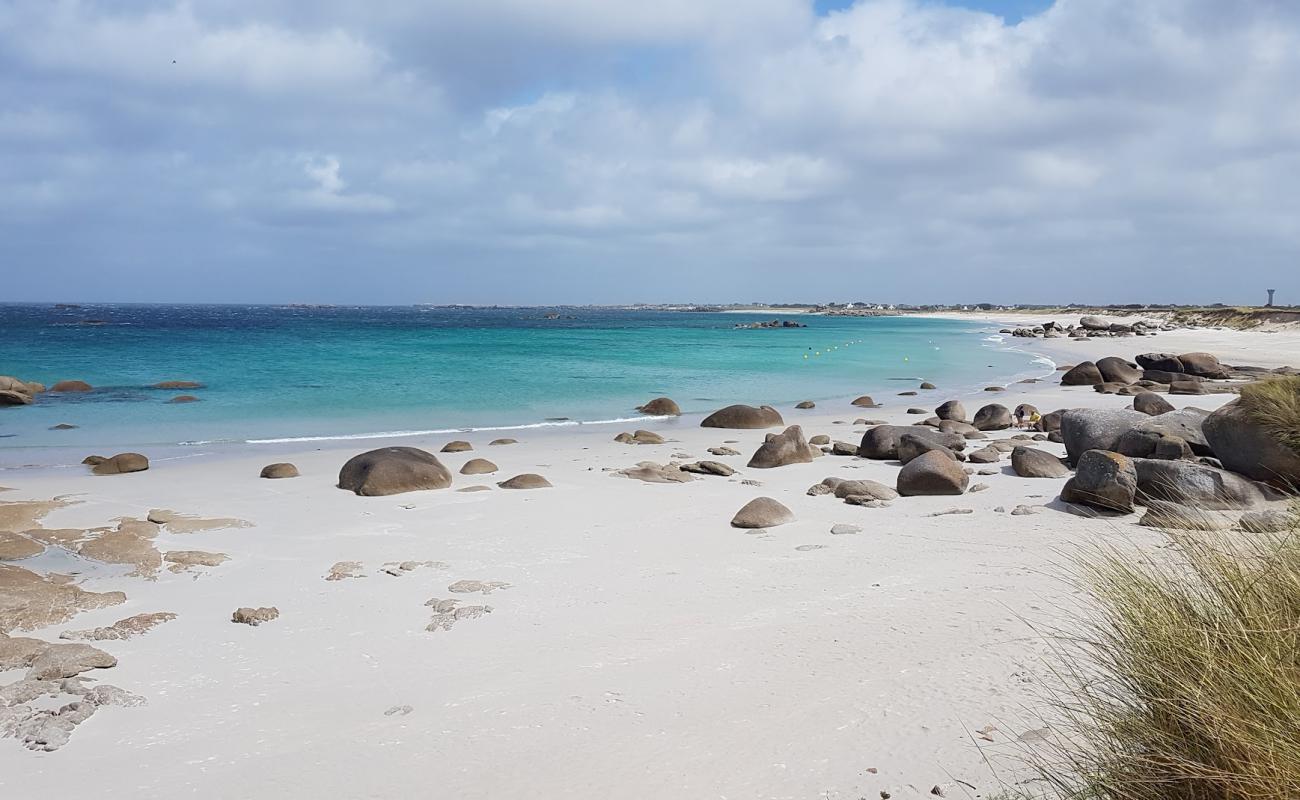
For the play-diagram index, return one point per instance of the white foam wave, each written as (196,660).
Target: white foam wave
(424,432)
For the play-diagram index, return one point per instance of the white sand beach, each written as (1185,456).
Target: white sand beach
(636,646)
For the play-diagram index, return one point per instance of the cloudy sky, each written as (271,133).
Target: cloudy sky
(540,151)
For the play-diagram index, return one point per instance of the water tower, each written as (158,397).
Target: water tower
(1269,304)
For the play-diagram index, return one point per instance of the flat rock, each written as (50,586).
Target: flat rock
(67,660)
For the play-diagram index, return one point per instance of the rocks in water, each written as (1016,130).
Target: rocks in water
(1117,370)
(456,446)
(1204,365)
(781,449)
(1085,429)
(709,468)
(1199,485)
(1082,374)
(8,397)
(254,616)
(865,401)
(652,472)
(184,398)
(178,385)
(1102,479)
(478,466)
(881,442)
(805,404)
(992,417)
(995,388)
(820,439)
(932,473)
(723,450)
(985,455)
(71,386)
(67,661)
(120,464)
(501,442)
(29,600)
(1151,404)
(660,407)
(951,410)
(910,445)
(1251,449)
(393,470)
(527,480)
(762,512)
(8,383)
(281,469)
(926,385)
(744,418)
(1028,462)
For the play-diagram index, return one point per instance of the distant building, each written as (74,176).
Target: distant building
(1269,304)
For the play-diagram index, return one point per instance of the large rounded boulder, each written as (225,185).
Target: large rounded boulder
(952,410)
(1029,462)
(661,407)
(1151,403)
(1163,362)
(279,470)
(932,473)
(1084,429)
(393,470)
(120,464)
(1205,365)
(881,442)
(1244,446)
(1103,480)
(743,417)
(1117,370)
(781,449)
(992,417)
(1083,374)
(762,512)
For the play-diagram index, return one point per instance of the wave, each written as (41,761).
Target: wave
(424,432)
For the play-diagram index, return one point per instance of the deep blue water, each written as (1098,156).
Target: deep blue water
(276,372)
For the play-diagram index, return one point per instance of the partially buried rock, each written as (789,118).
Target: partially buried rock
(456,446)
(651,472)
(12,398)
(1104,480)
(500,442)
(184,398)
(119,464)
(647,437)
(254,616)
(478,466)
(660,407)
(781,449)
(985,455)
(1117,370)
(932,473)
(861,488)
(1187,387)
(1028,462)
(393,470)
(762,512)
(805,404)
(926,385)
(71,386)
(743,417)
(527,480)
(1151,403)
(881,442)
(282,469)
(63,426)
(1199,485)
(723,450)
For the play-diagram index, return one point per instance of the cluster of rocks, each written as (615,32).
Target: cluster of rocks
(775,323)
(1089,327)
(1186,374)
(18,392)
(395,470)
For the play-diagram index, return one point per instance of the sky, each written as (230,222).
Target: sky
(618,151)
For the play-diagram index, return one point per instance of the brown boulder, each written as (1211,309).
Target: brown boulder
(282,469)
(119,464)
(178,385)
(527,480)
(1250,449)
(1083,374)
(1151,403)
(660,407)
(951,410)
(762,512)
(781,449)
(71,386)
(932,473)
(743,417)
(1104,480)
(393,470)
(456,446)
(478,466)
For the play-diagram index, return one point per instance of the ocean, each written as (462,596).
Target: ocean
(275,374)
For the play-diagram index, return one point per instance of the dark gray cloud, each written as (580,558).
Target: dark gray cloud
(588,151)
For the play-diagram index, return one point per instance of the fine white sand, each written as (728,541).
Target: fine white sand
(643,648)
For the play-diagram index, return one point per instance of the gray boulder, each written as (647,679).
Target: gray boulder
(1084,429)
(1161,376)
(881,442)
(781,449)
(1247,448)
(1187,387)
(393,470)
(932,473)
(1185,423)
(992,417)
(1117,370)
(1029,462)
(1138,443)
(1199,485)
(1104,480)
(911,445)
(1092,323)
(743,417)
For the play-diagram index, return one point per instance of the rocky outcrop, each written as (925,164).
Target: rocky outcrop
(1028,462)
(178,385)
(881,442)
(781,449)
(992,417)
(932,473)
(844,489)
(1163,362)
(12,398)
(708,468)
(1250,449)
(456,446)
(393,470)
(743,417)
(762,512)
(1102,479)
(660,407)
(281,469)
(71,386)
(1084,429)
(1185,423)
(652,472)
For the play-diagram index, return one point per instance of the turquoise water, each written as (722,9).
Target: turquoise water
(274,373)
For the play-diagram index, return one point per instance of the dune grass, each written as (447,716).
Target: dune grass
(1275,405)
(1186,686)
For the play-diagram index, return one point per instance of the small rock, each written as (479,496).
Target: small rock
(254,616)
